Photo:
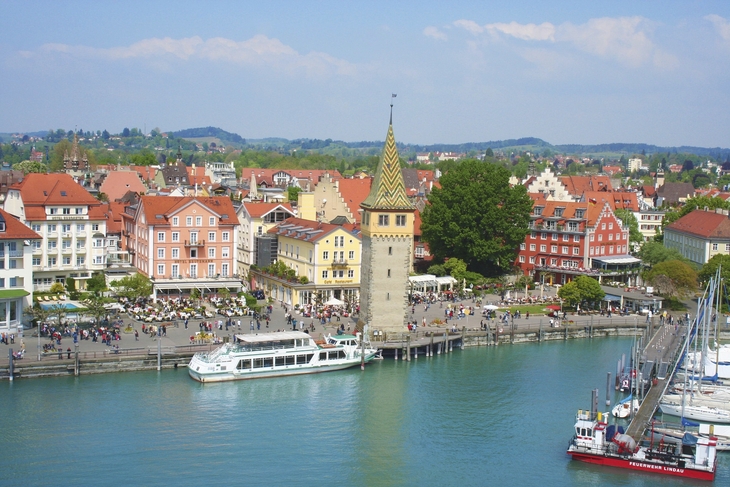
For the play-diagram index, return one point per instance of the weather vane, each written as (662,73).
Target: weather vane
(391,107)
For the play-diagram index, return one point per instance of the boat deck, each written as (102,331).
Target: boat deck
(664,348)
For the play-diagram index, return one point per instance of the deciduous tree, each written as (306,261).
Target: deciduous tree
(672,278)
(477,216)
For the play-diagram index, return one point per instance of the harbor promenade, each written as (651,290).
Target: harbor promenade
(178,338)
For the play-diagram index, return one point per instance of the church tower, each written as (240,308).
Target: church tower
(387,245)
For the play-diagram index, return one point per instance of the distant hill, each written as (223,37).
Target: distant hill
(227,138)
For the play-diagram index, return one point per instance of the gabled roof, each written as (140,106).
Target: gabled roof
(114,223)
(592,210)
(159,209)
(15,230)
(648,191)
(53,189)
(624,200)
(577,185)
(672,192)
(117,183)
(311,231)
(259,210)
(705,224)
(354,192)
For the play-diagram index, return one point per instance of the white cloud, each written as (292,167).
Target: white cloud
(258,50)
(624,39)
(434,32)
(526,32)
(722,26)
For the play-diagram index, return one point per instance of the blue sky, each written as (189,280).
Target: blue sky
(465,71)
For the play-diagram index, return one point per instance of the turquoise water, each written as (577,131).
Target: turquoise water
(63,305)
(483,416)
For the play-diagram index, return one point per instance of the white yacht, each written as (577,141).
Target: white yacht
(278,354)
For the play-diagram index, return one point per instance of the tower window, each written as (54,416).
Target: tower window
(388,272)
(383,220)
(400,220)
(390,250)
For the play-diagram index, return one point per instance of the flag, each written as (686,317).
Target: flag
(394,95)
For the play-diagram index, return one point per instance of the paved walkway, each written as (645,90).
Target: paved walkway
(181,336)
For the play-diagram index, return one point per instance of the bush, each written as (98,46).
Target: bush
(674,304)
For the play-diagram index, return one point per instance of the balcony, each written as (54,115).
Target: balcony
(37,250)
(67,250)
(339,262)
(53,250)
(15,253)
(194,243)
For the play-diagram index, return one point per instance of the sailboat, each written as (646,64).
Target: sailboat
(625,407)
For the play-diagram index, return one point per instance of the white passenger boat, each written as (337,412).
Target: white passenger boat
(278,354)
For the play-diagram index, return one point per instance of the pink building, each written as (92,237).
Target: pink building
(183,243)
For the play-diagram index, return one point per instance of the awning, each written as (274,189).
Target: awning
(13,293)
(617,259)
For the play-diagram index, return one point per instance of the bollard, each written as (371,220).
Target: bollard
(408,348)
(608,389)
(396,354)
(11,364)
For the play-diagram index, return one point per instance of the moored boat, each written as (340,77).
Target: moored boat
(596,442)
(625,408)
(278,354)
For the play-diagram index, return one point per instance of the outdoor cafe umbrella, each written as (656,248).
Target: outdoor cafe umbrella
(334,302)
(490,307)
(553,307)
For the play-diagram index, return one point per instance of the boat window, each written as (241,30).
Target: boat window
(244,365)
(279,361)
(590,432)
(322,355)
(258,363)
(289,359)
(309,357)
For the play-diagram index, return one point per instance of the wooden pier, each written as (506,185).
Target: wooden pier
(661,354)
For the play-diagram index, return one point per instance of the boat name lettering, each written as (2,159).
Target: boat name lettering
(657,467)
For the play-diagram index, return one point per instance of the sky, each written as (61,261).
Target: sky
(568,72)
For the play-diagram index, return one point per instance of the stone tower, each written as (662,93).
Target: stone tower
(387,245)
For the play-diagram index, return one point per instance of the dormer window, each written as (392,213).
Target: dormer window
(559,211)
(538,210)
(579,213)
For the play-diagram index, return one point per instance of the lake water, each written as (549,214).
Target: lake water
(483,416)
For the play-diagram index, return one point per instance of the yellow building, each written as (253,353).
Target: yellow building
(325,260)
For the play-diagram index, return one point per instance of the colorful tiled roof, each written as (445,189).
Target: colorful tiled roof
(388,191)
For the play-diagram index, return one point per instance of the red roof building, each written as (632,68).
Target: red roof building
(183,243)
(700,235)
(71,222)
(567,239)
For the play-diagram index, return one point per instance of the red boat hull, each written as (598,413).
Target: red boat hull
(642,466)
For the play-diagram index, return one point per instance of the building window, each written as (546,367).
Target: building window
(94,227)
(211,270)
(224,252)
(543,236)
(600,237)
(198,221)
(390,250)
(532,247)
(65,228)
(188,221)
(383,220)
(175,270)
(576,251)
(326,255)
(160,269)
(400,220)
(160,254)
(160,236)
(80,261)
(325,274)
(610,249)
(211,236)
(350,273)
(35,227)
(36,261)
(175,221)
(51,261)
(714,246)
(566,237)
(388,272)
(79,211)
(610,236)
(351,255)
(225,236)
(194,271)
(80,227)
(175,253)
(66,244)
(553,248)
(211,221)
(54,211)
(522,259)
(51,227)
(603,226)
(175,236)
(211,252)
(555,236)
(543,248)
(51,244)
(522,246)
(193,253)
(532,259)
(576,238)
(533,235)
(565,249)
(339,241)
(610,226)
(66,211)
(224,270)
